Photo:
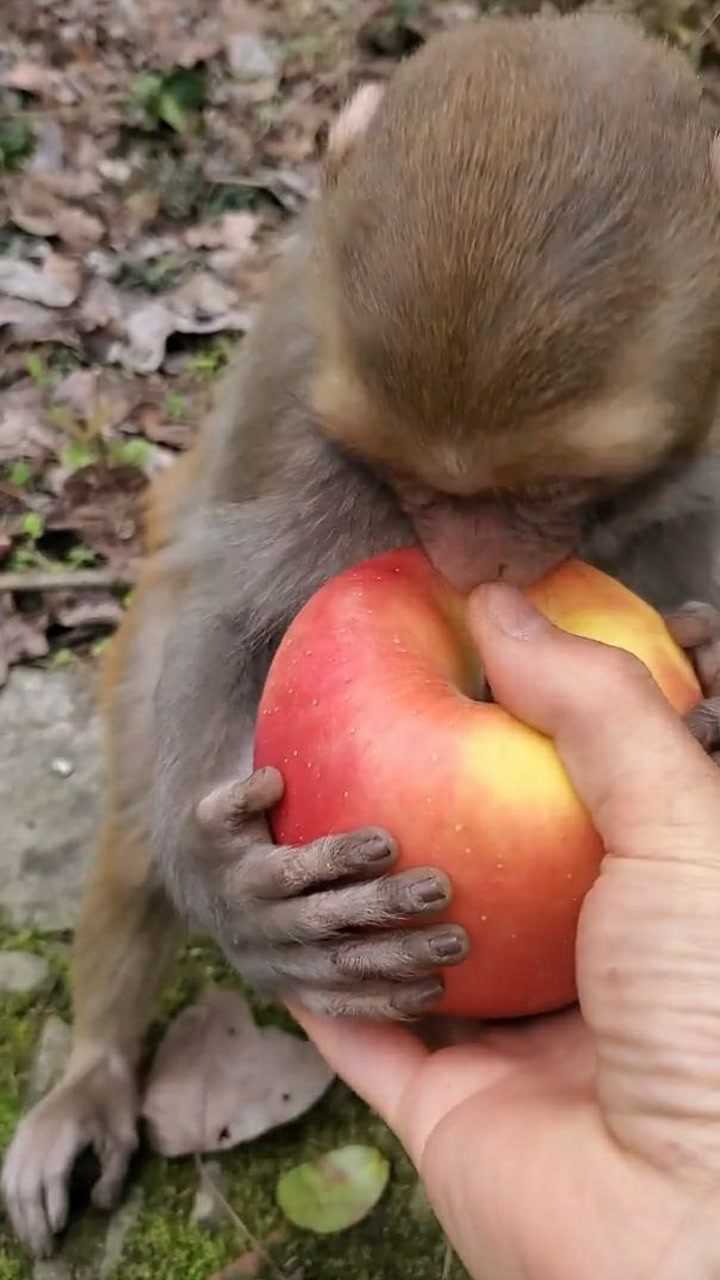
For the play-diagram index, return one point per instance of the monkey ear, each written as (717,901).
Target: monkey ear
(350,127)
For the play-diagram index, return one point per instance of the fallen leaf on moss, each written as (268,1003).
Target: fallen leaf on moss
(335,1191)
(217,1079)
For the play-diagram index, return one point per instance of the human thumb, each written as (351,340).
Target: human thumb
(648,954)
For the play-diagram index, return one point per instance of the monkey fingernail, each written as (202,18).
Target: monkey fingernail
(423,997)
(450,945)
(433,891)
(512,612)
(377,847)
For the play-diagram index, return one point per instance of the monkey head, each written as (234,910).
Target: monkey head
(517,258)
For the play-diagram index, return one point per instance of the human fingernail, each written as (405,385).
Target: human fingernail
(511,611)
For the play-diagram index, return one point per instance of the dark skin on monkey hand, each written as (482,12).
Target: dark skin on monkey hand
(396,975)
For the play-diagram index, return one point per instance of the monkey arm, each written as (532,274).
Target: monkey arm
(322,921)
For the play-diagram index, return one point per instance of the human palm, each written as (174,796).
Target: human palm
(583,1145)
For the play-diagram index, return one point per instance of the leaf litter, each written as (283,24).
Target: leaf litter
(218,1080)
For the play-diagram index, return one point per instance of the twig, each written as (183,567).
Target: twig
(68,580)
(237,1221)
(447,1260)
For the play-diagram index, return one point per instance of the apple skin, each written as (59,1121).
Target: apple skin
(368,713)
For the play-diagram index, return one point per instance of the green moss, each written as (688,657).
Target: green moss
(393,1242)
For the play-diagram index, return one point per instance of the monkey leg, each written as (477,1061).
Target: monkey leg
(696,627)
(126,937)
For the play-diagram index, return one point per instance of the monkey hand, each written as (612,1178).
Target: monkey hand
(696,627)
(94,1106)
(323,922)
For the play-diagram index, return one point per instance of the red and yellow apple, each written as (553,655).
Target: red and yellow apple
(368,711)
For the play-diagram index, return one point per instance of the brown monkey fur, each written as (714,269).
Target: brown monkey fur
(498,332)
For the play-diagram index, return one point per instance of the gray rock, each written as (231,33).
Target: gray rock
(49,821)
(51,1054)
(119,1228)
(51,1269)
(21,972)
(207,1210)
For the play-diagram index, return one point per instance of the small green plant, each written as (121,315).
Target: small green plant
(130,453)
(80,557)
(37,367)
(26,554)
(17,142)
(61,658)
(155,275)
(211,359)
(176,405)
(33,526)
(78,454)
(19,473)
(174,99)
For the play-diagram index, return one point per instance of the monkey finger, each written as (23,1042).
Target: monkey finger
(283,871)
(693,624)
(397,956)
(225,810)
(383,1002)
(383,902)
(703,721)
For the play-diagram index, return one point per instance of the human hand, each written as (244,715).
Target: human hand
(583,1145)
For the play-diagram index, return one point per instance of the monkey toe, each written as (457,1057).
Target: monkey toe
(34,1202)
(114,1152)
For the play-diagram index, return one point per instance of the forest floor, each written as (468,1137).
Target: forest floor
(151,154)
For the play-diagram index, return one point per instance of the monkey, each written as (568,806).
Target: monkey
(495,334)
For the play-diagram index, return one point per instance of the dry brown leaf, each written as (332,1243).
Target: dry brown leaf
(204,235)
(33,208)
(97,396)
(103,505)
(78,229)
(202,305)
(49,152)
(27,322)
(41,212)
(89,609)
(237,231)
(55,284)
(38,79)
(101,307)
(152,422)
(218,1079)
(22,635)
(24,430)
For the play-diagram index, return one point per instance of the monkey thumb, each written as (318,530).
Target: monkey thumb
(631,758)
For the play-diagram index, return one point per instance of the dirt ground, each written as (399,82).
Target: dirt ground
(151,153)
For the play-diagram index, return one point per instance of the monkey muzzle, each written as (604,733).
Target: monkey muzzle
(473,542)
